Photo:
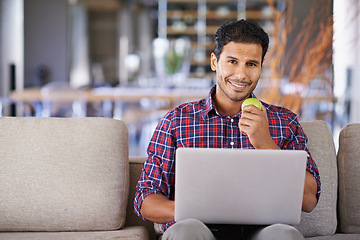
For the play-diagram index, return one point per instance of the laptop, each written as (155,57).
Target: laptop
(239,186)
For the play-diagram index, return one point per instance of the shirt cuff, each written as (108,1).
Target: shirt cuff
(139,198)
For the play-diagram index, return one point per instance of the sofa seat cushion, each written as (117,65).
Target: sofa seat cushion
(323,219)
(133,233)
(63,174)
(349,178)
(337,237)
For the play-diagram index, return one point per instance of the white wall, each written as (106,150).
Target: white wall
(46,39)
(346,57)
(79,69)
(11,43)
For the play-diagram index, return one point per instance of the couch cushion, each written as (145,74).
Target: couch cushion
(62,174)
(349,178)
(322,220)
(133,233)
(337,237)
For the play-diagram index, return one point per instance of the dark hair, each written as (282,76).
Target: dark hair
(241,31)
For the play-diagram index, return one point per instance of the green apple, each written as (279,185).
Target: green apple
(251,101)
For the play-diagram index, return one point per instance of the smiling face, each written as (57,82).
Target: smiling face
(237,73)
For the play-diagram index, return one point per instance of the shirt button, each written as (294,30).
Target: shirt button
(232,120)
(232,143)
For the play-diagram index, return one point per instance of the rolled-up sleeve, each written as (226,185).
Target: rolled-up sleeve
(158,173)
(299,141)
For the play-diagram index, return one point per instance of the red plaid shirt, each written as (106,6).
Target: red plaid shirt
(198,124)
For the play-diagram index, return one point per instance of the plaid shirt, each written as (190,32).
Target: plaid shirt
(198,124)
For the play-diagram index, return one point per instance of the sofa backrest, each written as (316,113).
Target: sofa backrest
(63,174)
(349,178)
(323,219)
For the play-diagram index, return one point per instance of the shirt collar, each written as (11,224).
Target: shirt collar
(209,104)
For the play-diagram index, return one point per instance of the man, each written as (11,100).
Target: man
(218,121)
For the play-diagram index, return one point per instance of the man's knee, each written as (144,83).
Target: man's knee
(188,229)
(279,232)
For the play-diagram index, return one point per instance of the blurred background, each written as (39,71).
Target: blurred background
(136,59)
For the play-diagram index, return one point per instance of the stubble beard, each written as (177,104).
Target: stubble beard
(234,97)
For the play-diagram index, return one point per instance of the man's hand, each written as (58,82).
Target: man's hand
(158,208)
(254,123)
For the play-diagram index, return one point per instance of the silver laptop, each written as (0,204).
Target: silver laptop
(239,186)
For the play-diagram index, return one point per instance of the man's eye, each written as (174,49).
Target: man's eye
(232,61)
(251,64)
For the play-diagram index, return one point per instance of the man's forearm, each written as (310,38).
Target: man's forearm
(310,190)
(158,208)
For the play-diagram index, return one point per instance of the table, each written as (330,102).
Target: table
(114,94)
(118,95)
(139,108)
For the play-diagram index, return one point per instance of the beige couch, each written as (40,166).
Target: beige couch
(71,179)
(340,177)
(64,178)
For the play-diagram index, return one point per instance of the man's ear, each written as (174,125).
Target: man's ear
(213,61)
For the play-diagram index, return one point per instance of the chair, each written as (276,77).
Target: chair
(60,100)
(9,107)
(3,101)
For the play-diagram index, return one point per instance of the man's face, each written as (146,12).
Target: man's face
(237,71)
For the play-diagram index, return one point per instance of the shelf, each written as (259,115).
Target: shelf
(194,1)
(199,21)
(185,31)
(250,14)
(177,14)
(214,1)
(207,46)
(210,30)
(259,15)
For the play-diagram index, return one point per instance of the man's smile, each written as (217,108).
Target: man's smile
(238,85)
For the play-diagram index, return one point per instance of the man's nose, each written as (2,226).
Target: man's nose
(240,72)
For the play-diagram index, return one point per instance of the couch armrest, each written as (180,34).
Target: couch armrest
(349,178)
(323,219)
(63,174)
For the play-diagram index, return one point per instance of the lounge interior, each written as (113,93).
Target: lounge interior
(136,59)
